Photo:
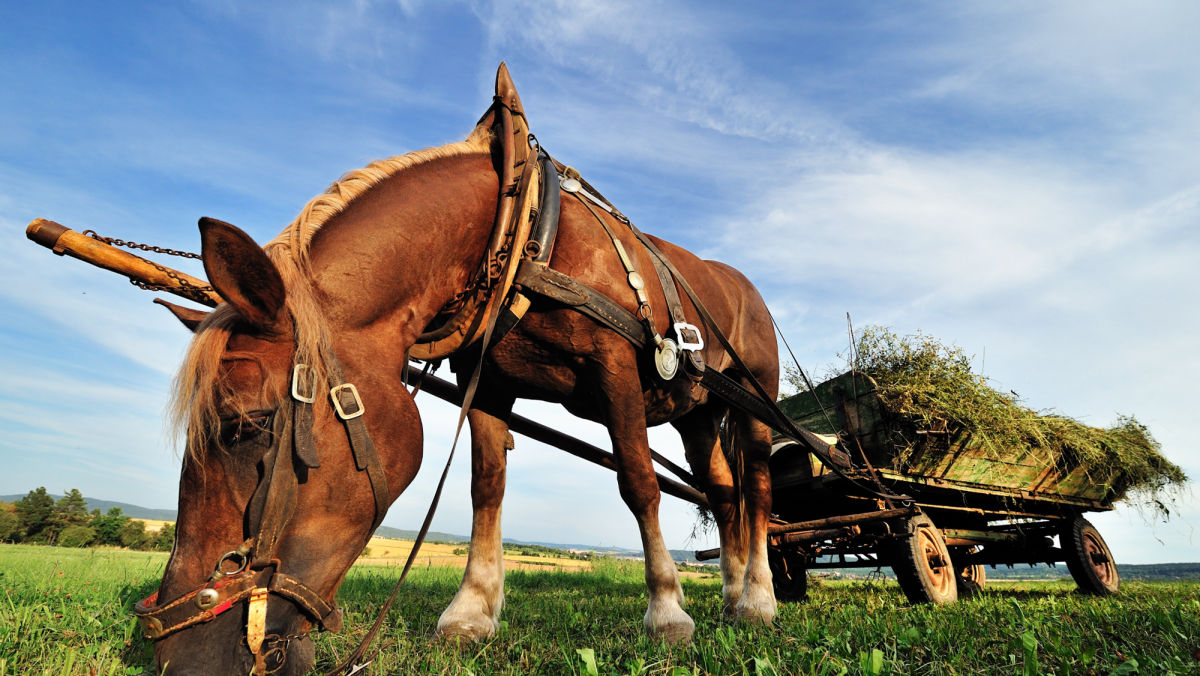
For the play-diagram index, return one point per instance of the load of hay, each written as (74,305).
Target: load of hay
(931,385)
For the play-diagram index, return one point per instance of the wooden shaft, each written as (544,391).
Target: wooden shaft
(65,241)
(448,391)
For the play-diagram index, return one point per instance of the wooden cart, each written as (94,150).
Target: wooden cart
(968,506)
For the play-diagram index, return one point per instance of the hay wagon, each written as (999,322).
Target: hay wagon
(967,505)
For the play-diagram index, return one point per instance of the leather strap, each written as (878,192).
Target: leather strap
(545,281)
(769,412)
(545,228)
(349,409)
(776,420)
(160,621)
(274,499)
(675,310)
(303,444)
(328,615)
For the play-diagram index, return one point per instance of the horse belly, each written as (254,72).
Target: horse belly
(548,356)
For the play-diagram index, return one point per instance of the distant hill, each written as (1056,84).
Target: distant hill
(431,536)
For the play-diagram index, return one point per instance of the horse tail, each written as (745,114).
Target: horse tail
(734,452)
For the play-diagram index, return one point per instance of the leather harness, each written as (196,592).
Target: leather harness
(515,265)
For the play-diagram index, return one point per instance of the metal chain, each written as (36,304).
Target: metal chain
(489,273)
(196,293)
(144,247)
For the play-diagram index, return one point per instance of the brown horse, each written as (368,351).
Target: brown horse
(348,289)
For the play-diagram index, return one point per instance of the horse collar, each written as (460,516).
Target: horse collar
(522,198)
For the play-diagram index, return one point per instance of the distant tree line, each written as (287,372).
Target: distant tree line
(541,551)
(38,519)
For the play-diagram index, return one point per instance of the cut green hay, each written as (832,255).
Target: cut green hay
(931,386)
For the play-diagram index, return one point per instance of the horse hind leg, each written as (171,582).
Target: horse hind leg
(474,613)
(638,484)
(752,440)
(700,432)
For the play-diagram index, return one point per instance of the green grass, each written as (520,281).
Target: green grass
(65,612)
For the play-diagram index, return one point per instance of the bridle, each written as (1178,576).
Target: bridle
(252,572)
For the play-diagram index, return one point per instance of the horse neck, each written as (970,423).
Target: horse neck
(402,250)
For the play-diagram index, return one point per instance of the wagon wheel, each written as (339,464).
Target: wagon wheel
(789,574)
(1088,558)
(922,563)
(970,580)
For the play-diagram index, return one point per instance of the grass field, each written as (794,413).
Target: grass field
(66,612)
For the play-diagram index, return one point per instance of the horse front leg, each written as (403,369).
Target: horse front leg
(475,611)
(638,484)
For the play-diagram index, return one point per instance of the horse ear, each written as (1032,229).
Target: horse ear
(186,315)
(241,273)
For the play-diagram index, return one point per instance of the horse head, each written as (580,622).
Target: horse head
(275,500)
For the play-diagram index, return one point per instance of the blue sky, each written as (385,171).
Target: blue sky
(1018,178)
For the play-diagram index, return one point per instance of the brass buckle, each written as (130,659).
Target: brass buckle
(689,336)
(301,373)
(337,402)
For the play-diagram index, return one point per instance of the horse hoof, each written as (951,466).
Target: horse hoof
(754,614)
(676,633)
(672,625)
(465,631)
(729,606)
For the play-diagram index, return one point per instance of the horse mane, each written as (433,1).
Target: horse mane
(197,391)
(295,239)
